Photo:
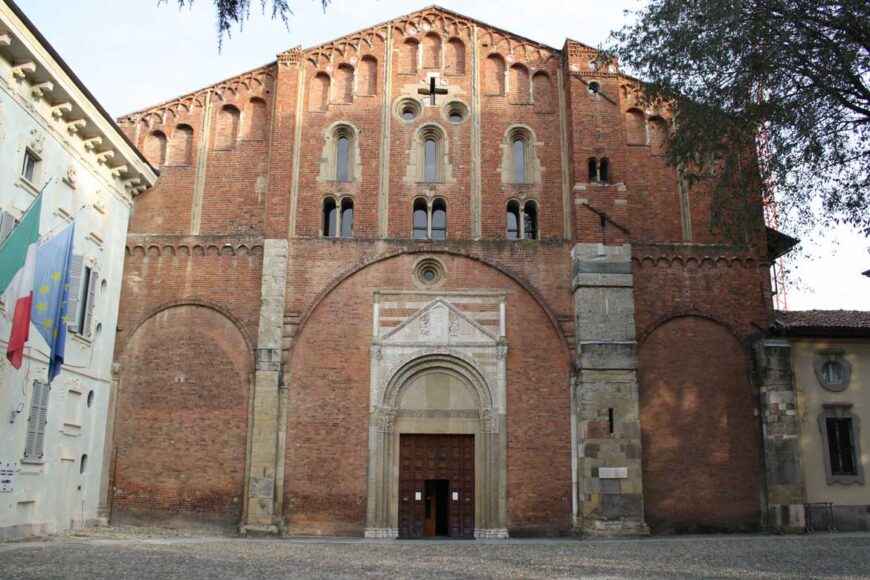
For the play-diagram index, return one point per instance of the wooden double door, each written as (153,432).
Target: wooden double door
(436,486)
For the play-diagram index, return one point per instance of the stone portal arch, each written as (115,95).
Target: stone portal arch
(443,391)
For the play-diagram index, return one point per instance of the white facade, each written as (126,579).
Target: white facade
(94,173)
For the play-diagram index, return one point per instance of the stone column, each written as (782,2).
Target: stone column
(260,515)
(780,426)
(606,392)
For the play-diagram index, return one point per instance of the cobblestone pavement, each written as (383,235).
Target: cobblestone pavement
(121,553)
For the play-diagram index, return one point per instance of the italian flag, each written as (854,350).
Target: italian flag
(17,268)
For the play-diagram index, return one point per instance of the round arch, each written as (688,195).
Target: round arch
(522,282)
(220,309)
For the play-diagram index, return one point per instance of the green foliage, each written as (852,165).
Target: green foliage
(235,12)
(785,78)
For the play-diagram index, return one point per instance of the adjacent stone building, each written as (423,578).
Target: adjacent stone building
(55,138)
(830,356)
(434,278)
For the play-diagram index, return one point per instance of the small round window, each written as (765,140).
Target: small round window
(429,272)
(455,112)
(832,369)
(408,109)
(832,372)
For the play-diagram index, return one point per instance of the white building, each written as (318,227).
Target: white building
(53,132)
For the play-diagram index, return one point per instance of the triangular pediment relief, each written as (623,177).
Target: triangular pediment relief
(439,322)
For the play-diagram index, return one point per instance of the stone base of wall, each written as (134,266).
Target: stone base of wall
(490,534)
(786,519)
(18,531)
(382,533)
(846,518)
(613,529)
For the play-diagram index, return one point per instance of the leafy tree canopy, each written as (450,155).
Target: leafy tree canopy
(788,78)
(232,13)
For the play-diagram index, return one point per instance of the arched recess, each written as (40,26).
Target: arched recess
(331,359)
(155,148)
(182,417)
(343,84)
(180,148)
(542,92)
(256,119)
(318,97)
(227,127)
(635,127)
(368,76)
(519,85)
(432,51)
(658,136)
(699,434)
(409,56)
(455,57)
(494,75)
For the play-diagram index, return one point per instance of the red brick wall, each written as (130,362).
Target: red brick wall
(325,486)
(699,434)
(699,430)
(247,197)
(181,428)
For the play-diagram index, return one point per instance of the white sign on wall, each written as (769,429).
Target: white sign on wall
(7,476)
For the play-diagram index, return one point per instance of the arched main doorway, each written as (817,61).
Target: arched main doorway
(437,434)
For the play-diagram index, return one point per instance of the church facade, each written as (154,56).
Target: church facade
(434,278)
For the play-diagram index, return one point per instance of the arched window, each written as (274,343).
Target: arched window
(344,84)
(330,218)
(430,220)
(604,170)
(421,220)
(255,119)
(493,71)
(346,228)
(513,220)
(430,155)
(530,221)
(180,149)
(227,127)
(408,56)
(518,155)
(542,91)
(155,148)
(439,219)
(430,161)
(522,220)
(432,51)
(635,127)
(519,87)
(342,158)
(341,152)
(520,161)
(368,76)
(658,136)
(318,98)
(455,57)
(593,169)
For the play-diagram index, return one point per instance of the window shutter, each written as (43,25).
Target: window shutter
(7,224)
(75,292)
(90,302)
(33,445)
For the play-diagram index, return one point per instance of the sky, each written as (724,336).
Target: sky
(132,54)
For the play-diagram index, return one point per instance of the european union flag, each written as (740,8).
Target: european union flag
(51,295)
